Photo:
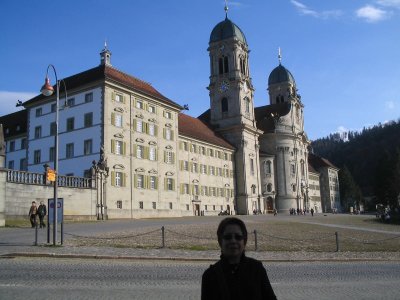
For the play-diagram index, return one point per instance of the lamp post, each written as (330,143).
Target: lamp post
(48,90)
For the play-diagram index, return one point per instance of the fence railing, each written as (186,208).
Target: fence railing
(25,177)
(257,240)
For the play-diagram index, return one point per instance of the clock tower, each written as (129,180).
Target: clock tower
(232,109)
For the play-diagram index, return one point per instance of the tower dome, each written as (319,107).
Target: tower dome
(225,30)
(280,75)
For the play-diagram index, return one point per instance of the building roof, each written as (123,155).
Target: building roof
(107,72)
(14,124)
(263,114)
(225,30)
(318,162)
(279,75)
(197,129)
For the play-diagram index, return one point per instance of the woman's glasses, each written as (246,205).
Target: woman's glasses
(235,236)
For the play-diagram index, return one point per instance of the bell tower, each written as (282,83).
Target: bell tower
(232,109)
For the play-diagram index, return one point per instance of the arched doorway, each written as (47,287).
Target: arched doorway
(269,205)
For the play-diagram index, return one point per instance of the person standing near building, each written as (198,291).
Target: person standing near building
(32,214)
(235,276)
(42,212)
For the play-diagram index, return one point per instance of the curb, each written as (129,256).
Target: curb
(185,259)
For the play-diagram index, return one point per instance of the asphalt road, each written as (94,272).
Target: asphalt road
(55,278)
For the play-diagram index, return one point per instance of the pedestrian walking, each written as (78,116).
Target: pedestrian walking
(32,214)
(275,211)
(42,212)
(312,212)
(235,276)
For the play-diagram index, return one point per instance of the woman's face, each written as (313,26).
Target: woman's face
(232,243)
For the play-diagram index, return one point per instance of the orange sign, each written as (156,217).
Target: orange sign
(51,175)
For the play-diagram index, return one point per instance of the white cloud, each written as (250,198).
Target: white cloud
(390,3)
(304,10)
(9,99)
(390,105)
(372,14)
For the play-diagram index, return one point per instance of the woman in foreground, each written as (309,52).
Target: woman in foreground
(235,276)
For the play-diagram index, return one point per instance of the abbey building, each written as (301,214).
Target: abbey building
(149,159)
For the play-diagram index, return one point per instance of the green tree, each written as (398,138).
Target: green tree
(350,192)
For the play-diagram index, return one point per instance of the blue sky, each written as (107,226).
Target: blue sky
(344,54)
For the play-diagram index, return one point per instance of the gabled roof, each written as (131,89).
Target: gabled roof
(14,124)
(106,72)
(197,129)
(319,162)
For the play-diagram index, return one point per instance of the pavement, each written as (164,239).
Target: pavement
(20,242)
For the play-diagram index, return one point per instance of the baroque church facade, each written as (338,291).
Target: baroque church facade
(157,161)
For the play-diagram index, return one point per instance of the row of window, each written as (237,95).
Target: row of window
(23,165)
(141,104)
(69,151)
(70,103)
(142,152)
(23,145)
(195,189)
(143,127)
(141,181)
(186,146)
(70,125)
(204,169)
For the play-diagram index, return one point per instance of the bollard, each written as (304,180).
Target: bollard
(337,241)
(48,231)
(62,233)
(255,240)
(36,235)
(163,237)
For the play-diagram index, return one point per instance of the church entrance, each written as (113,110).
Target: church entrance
(270,205)
(197,209)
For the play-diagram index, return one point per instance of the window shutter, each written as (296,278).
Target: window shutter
(155,130)
(156,154)
(112,178)
(172,135)
(181,165)
(165,156)
(134,124)
(135,180)
(173,158)
(123,179)
(123,148)
(146,182)
(112,146)
(201,190)
(180,145)
(156,182)
(113,96)
(164,133)
(146,127)
(134,150)
(146,152)
(182,184)
(165,184)
(112,118)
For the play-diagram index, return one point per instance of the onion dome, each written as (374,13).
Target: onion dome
(225,30)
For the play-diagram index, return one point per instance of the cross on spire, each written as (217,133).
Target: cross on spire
(226,9)
(279,55)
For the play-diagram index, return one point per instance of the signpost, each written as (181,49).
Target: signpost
(59,218)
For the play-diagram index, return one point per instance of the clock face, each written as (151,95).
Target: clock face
(224,86)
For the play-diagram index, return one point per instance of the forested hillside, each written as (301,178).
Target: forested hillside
(369,162)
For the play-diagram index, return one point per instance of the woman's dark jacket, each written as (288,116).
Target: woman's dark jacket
(247,280)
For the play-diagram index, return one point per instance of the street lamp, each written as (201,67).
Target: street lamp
(48,90)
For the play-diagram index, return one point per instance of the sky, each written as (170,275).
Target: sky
(343,54)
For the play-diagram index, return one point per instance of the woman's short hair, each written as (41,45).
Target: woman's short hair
(231,221)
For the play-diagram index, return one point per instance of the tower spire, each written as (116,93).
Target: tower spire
(226,8)
(279,55)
